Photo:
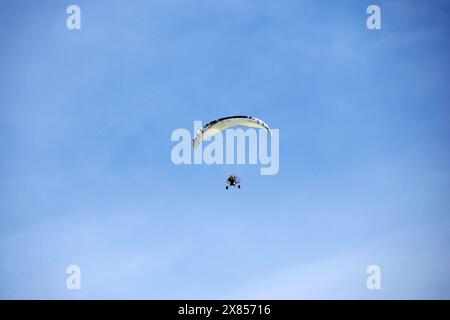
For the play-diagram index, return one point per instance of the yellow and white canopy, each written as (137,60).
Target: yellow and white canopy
(217,126)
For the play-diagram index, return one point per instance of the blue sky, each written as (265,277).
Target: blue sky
(86,176)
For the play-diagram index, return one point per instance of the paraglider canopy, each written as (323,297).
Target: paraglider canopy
(216,126)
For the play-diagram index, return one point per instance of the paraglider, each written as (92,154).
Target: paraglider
(217,126)
(233,181)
